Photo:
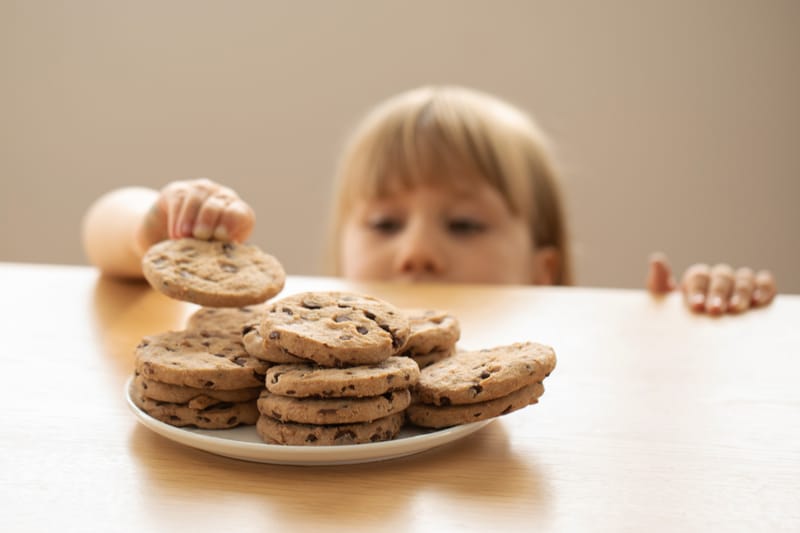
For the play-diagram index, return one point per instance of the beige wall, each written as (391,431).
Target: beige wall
(677,121)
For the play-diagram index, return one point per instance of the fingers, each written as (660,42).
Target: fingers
(237,221)
(743,287)
(695,284)
(204,210)
(719,289)
(765,288)
(659,275)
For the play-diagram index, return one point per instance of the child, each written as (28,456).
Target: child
(436,184)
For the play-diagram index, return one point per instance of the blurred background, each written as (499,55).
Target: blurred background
(677,123)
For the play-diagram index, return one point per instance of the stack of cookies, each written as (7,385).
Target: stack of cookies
(478,385)
(349,386)
(197,377)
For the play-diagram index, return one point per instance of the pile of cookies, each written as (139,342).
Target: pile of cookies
(322,368)
(351,387)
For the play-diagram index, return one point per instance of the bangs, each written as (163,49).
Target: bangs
(428,144)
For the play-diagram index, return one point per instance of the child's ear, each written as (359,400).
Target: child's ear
(546,265)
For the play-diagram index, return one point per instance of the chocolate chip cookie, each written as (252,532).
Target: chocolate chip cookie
(357,381)
(275,432)
(193,397)
(432,416)
(255,346)
(477,376)
(213,273)
(431,331)
(199,359)
(226,319)
(334,329)
(219,415)
(332,410)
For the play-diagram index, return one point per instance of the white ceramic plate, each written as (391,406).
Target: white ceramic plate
(244,443)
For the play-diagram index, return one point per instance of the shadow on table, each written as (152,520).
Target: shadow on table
(127,310)
(481,467)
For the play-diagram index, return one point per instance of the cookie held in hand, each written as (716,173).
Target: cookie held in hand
(213,273)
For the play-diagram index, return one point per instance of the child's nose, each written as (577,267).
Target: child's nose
(419,254)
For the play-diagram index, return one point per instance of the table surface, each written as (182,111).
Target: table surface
(654,419)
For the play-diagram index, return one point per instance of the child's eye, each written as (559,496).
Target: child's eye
(465,226)
(386,225)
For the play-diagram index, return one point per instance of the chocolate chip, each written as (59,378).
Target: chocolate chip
(208,384)
(227,267)
(485,374)
(248,328)
(477,389)
(345,434)
(274,335)
(341,318)
(444,400)
(362,330)
(241,361)
(310,304)
(311,438)
(218,407)
(291,392)
(288,311)
(345,337)
(369,315)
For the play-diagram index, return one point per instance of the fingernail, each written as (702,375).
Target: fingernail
(201,231)
(697,299)
(757,295)
(221,234)
(736,302)
(186,230)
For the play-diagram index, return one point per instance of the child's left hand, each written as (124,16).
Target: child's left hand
(714,290)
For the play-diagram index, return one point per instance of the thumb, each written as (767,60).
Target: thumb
(659,274)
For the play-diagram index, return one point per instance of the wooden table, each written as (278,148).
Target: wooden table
(654,419)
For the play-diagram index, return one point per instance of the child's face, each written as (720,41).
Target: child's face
(436,233)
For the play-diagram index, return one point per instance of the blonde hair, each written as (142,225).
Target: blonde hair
(441,134)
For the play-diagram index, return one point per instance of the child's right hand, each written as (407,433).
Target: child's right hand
(197,208)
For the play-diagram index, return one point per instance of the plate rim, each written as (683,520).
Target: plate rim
(263,452)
